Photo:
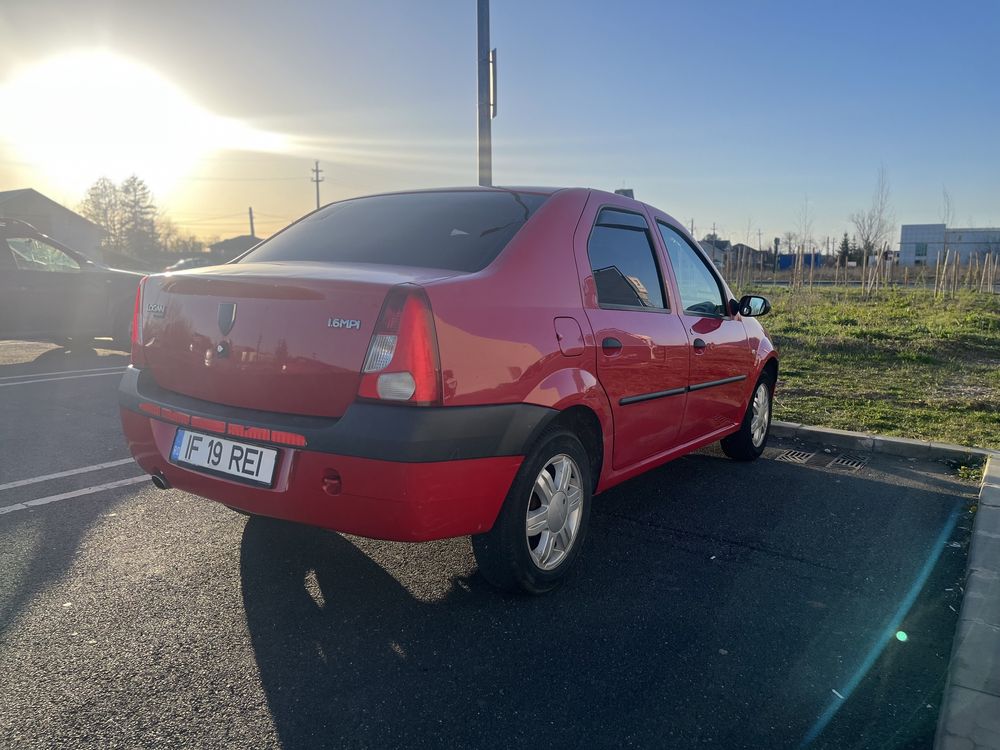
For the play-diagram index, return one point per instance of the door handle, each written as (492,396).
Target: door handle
(699,344)
(611,346)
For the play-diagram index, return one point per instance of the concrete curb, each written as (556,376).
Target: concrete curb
(896,446)
(970,709)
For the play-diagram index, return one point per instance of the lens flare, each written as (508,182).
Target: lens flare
(88,114)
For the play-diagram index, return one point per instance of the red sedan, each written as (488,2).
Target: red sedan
(423,365)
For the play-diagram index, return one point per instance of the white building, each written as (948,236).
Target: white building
(923,244)
(53,219)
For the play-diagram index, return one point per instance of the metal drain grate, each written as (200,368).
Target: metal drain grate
(849,461)
(794,457)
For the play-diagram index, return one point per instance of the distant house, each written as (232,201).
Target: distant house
(756,256)
(53,219)
(234,246)
(716,248)
(723,251)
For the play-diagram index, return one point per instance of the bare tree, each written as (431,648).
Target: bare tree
(805,227)
(875,225)
(173,240)
(947,207)
(103,206)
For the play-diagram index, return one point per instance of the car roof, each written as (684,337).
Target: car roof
(535,189)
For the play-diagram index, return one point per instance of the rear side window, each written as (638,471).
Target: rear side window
(623,262)
(457,230)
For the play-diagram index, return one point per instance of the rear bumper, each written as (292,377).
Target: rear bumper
(407,474)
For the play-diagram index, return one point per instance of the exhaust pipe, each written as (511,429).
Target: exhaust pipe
(160,481)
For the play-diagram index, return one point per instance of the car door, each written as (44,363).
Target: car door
(60,297)
(721,359)
(11,294)
(642,349)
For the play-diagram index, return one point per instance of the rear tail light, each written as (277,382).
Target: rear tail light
(137,357)
(402,363)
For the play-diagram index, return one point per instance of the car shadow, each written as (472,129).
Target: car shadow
(702,614)
(33,357)
(78,354)
(37,548)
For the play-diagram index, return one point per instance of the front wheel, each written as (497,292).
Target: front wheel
(541,527)
(748,443)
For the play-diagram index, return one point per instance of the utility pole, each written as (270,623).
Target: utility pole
(487,78)
(251,222)
(317,179)
(692,230)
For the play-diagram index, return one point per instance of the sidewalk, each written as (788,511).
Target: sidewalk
(970,710)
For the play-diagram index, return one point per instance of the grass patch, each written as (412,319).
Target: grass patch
(901,364)
(973,474)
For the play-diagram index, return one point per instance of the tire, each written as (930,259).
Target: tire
(750,440)
(508,557)
(78,342)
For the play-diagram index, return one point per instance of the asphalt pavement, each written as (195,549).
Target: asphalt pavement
(773,604)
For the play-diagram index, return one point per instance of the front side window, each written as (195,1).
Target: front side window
(699,289)
(623,262)
(34,255)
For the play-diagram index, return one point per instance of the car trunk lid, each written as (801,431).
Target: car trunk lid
(288,337)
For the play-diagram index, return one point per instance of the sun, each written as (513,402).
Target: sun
(88,114)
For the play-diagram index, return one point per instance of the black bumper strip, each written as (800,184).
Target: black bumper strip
(650,396)
(678,391)
(410,434)
(713,383)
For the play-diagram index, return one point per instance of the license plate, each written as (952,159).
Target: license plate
(217,455)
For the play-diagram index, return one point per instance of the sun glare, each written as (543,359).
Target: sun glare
(83,115)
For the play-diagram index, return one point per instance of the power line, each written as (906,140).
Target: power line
(202,178)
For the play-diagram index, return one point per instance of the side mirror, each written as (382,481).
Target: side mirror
(753,306)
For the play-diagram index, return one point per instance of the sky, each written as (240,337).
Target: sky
(741,115)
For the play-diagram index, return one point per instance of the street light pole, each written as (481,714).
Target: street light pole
(486,73)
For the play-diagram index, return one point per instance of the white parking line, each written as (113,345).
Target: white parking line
(69,495)
(60,474)
(68,377)
(25,375)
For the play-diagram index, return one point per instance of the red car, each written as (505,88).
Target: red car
(423,365)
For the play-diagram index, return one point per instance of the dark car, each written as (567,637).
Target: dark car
(434,364)
(50,292)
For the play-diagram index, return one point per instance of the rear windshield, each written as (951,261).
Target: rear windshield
(457,230)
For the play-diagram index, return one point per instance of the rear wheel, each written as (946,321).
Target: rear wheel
(543,522)
(748,443)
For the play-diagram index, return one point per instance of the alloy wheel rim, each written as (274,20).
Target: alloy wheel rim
(761,414)
(555,510)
